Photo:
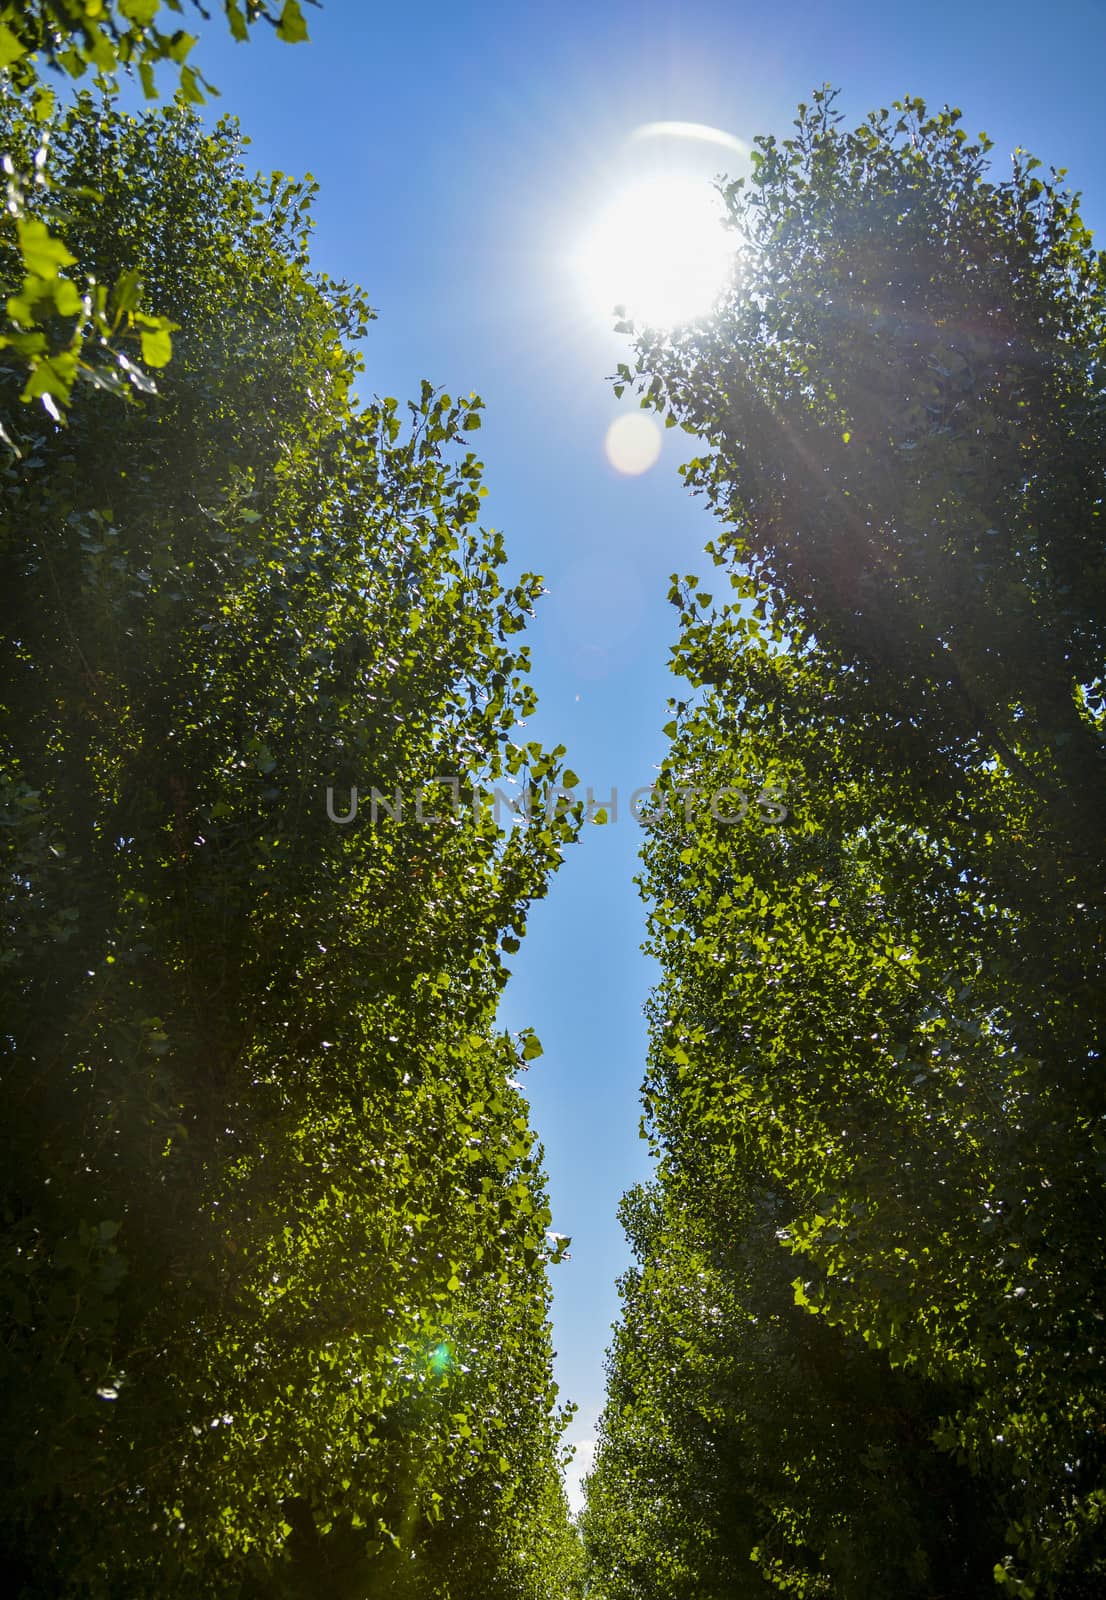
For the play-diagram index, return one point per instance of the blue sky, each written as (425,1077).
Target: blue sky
(462,151)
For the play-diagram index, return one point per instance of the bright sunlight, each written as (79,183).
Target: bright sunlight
(660,249)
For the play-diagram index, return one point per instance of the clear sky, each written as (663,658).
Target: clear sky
(463,152)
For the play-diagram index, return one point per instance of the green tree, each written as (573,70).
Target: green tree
(887,1015)
(274,1226)
(73,37)
(64,323)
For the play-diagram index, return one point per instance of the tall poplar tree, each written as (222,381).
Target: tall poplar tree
(877,1044)
(274,1227)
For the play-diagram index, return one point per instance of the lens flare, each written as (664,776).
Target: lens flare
(633,443)
(695,132)
(440,1360)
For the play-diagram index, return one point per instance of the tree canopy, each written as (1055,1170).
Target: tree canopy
(63,322)
(274,1223)
(861,1353)
(74,37)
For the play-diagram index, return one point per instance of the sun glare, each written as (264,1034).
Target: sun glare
(660,250)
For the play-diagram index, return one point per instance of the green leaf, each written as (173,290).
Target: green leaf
(140,12)
(51,380)
(236,19)
(292,28)
(12,47)
(180,48)
(125,293)
(157,345)
(190,86)
(43,254)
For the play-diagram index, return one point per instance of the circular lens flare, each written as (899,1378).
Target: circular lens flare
(633,443)
(661,250)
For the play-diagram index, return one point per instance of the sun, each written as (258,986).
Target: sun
(660,249)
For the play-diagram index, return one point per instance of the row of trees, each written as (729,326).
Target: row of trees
(273,1224)
(861,1351)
